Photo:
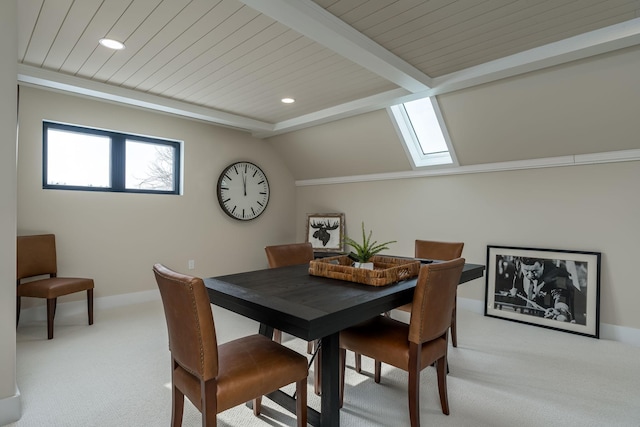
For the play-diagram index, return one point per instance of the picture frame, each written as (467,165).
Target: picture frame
(325,231)
(550,288)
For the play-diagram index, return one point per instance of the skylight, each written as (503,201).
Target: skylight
(420,125)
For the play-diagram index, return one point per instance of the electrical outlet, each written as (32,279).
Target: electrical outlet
(192,264)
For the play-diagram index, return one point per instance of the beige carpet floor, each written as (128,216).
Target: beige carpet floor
(116,373)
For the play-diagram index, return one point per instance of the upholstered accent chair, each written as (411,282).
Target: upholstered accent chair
(218,377)
(36,257)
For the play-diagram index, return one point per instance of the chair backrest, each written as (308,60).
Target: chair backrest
(192,333)
(445,251)
(433,300)
(36,255)
(289,254)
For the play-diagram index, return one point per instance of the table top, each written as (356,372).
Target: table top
(306,306)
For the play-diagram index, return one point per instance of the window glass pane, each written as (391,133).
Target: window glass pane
(149,166)
(425,124)
(77,159)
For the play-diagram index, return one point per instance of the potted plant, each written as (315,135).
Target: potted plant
(365,250)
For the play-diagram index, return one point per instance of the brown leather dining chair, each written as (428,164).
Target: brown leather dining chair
(285,255)
(443,251)
(294,254)
(430,249)
(36,257)
(218,377)
(414,346)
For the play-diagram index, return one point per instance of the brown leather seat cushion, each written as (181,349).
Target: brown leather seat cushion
(385,339)
(54,287)
(249,367)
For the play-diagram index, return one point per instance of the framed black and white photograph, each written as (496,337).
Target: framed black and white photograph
(556,289)
(326,232)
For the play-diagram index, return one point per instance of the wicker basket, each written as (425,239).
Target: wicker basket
(386,270)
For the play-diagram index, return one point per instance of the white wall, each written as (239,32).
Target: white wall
(9,397)
(581,107)
(116,238)
(590,208)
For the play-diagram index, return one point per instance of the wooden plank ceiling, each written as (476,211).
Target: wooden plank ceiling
(231,61)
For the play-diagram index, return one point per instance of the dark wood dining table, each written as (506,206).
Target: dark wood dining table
(312,307)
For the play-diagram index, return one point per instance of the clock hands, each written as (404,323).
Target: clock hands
(244,183)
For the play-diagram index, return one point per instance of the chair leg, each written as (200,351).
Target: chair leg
(317,372)
(177,408)
(17,311)
(277,335)
(343,365)
(414,397)
(454,332)
(358,358)
(442,384)
(377,371)
(257,405)
(51,314)
(301,402)
(209,391)
(414,384)
(177,400)
(90,305)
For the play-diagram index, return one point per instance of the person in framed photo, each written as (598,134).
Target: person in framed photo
(541,287)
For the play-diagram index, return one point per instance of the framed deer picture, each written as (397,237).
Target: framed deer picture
(325,232)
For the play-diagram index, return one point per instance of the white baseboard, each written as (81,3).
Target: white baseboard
(10,409)
(73,308)
(472,305)
(622,334)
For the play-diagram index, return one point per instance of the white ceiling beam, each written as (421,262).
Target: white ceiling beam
(52,80)
(315,23)
(342,111)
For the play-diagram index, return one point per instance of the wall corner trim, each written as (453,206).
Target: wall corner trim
(10,409)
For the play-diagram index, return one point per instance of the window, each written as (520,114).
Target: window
(78,158)
(420,125)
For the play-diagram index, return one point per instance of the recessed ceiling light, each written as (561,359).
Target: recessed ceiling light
(112,44)
(288,100)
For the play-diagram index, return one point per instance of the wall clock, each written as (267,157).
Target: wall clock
(243,191)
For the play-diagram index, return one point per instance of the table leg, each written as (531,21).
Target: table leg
(330,375)
(266,330)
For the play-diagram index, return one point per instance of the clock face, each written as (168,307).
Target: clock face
(243,191)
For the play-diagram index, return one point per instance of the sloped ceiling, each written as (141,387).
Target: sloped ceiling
(544,118)
(230,62)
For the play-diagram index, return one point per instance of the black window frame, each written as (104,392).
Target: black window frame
(117,169)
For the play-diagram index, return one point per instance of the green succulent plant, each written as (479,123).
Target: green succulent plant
(365,250)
